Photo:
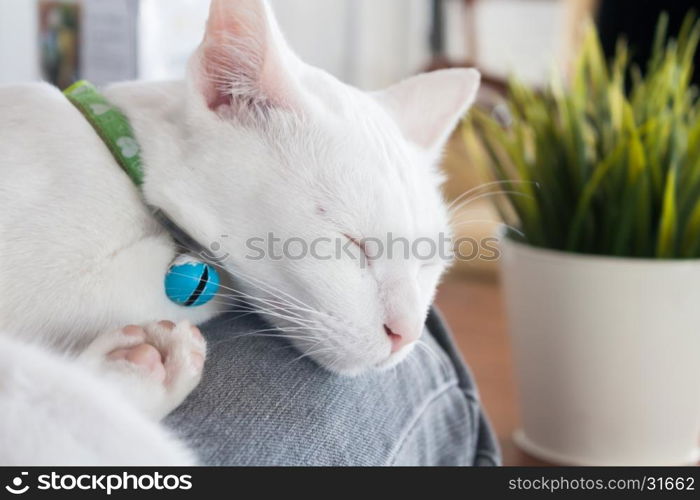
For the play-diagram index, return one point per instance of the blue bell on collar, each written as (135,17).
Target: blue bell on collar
(190,282)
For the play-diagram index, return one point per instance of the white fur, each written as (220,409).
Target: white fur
(55,412)
(253,142)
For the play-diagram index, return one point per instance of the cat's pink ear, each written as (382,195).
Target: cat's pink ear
(427,107)
(243,58)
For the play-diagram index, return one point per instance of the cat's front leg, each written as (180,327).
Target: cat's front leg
(155,366)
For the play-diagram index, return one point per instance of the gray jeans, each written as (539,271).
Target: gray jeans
(260,404)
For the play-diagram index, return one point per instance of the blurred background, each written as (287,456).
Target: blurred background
(370,44)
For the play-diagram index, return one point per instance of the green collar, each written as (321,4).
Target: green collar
(116,132)
(111,125)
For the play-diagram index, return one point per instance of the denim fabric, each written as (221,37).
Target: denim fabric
(260,404)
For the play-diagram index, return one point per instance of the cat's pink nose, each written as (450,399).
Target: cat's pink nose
(399,338)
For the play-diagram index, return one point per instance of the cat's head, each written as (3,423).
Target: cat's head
(300,179)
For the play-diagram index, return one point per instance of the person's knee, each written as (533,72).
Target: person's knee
(260,404)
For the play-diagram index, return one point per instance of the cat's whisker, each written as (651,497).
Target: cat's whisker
(227,288)
(308,325)
(486,185)
(278,335)
(279,302)
(247,296)
(286,307)
(494,221)
(244,304)
(455,210)
(280,345)
(274,290)
(288,312)
(241,303)
(293,307)
(277,309)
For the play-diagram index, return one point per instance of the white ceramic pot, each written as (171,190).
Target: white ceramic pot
(607,355)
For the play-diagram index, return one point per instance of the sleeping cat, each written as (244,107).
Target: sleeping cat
(253,142)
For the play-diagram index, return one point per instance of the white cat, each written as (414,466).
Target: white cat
(254,142)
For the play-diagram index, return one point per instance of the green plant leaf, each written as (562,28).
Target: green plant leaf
(611,163)
(667,226)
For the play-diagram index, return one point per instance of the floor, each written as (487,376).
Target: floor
(474,311)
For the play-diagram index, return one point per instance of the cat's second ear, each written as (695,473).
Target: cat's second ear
(427,107)
(243,58)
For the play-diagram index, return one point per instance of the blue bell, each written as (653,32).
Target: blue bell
(190,282)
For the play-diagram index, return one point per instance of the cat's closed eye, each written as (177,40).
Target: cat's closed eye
(361,245)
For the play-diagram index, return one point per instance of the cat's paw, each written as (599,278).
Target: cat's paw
(156,365)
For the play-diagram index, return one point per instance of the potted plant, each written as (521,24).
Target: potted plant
(601,261)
